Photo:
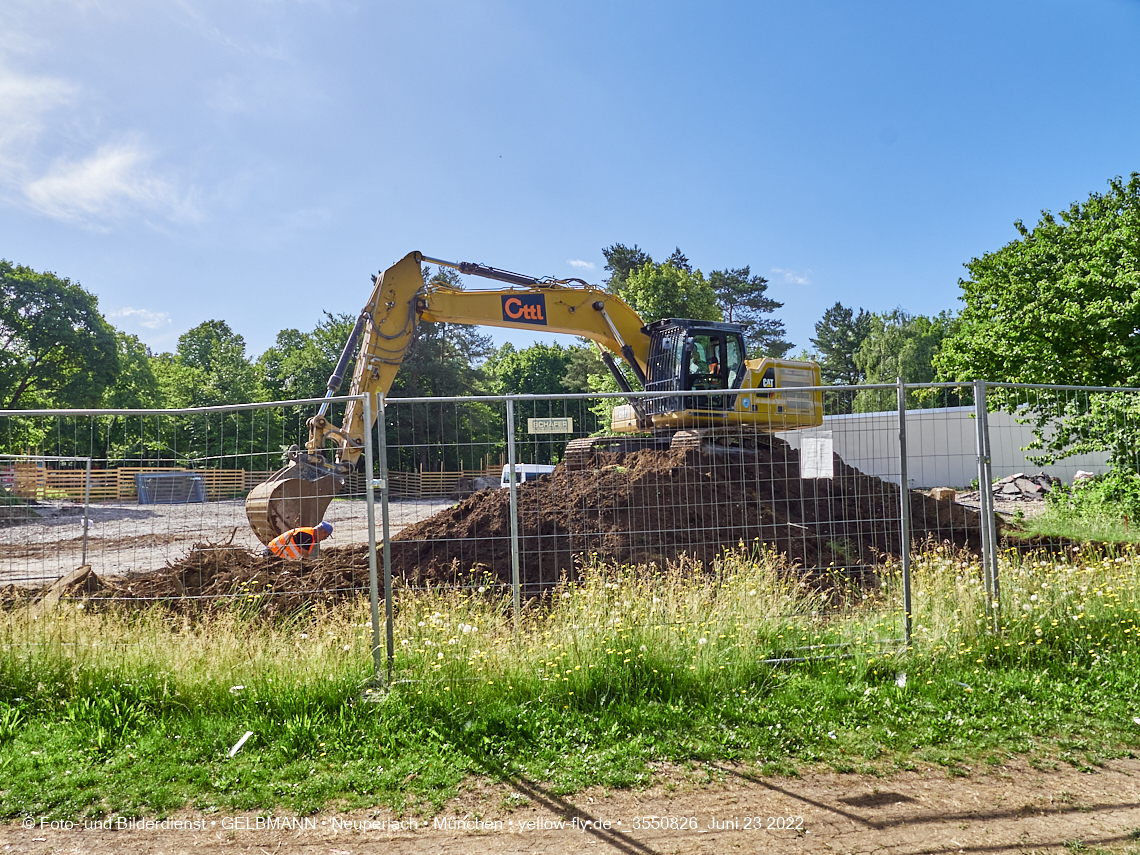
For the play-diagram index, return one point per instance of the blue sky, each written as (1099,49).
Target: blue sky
(256,161)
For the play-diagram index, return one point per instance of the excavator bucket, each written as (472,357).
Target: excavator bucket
(297,495)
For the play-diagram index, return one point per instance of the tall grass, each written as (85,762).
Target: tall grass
(137,711)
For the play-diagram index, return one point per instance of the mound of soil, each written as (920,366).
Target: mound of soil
(215,576)
(656,507)
(641,508)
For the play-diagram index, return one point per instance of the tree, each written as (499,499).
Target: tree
(299,365)
(222,373)
(1060,305)
(658,291)
(838,336)
(135,386)
(55,347)
(536,370)
(899,344)
(742,300)
(621,261)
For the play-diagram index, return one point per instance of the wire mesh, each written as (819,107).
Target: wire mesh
(163,543)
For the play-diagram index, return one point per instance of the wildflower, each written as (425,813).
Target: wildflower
(702,641)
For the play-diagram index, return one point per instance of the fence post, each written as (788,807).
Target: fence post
(370,510)
(386,533)
(86,508)
(986,506)
(514,498)
(904,512)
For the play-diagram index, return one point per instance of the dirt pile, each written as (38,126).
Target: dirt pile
(215,576)
(646,507)
(634,508)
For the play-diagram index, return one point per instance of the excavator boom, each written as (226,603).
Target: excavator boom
(658,356)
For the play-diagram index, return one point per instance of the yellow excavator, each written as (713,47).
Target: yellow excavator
(679,359)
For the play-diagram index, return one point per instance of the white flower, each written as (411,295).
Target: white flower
(235,689)
(1032,598)
(702,640)
(439,655)
(482,589)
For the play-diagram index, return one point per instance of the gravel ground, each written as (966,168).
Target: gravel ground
(131,538)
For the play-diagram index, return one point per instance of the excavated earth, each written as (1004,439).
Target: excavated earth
(652,507)
(640,508)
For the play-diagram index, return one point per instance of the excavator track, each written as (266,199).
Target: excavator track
(583,453)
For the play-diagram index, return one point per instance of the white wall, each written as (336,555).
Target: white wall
(941,447)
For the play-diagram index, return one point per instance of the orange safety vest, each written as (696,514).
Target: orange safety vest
(286,547)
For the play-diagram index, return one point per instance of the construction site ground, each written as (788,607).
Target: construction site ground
(643,508)
(1015,807)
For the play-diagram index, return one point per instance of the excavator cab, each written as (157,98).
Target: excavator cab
(692,356)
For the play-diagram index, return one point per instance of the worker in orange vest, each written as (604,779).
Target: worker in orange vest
(298,543)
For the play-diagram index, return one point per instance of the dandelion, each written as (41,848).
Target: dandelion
(702,640)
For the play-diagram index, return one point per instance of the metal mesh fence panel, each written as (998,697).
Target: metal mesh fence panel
(586,502)
(167,517)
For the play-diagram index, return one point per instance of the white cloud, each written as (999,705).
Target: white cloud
(24,103)
(582,265)
(114,181)
(794,277)
(143,317)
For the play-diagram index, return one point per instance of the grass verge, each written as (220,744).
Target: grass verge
(135,713)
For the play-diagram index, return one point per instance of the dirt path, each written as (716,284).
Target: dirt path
(1014,808)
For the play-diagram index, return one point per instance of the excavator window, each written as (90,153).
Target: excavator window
(715,361)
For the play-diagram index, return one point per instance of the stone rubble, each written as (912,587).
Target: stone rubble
(1024,488)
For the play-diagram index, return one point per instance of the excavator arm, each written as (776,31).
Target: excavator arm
(385,330)
(768,396)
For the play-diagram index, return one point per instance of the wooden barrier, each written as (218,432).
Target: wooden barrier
(33,481)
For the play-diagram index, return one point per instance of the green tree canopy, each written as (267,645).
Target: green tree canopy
(1059,305)
(742,300)
(838,336)
(899,344)
(657,291)
(298,364)
(621,261)
(135,387)
(213,368)
(536,370)
(56,350)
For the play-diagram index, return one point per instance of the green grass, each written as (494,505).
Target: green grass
(106,713)
(1104,509)
(1097,528)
